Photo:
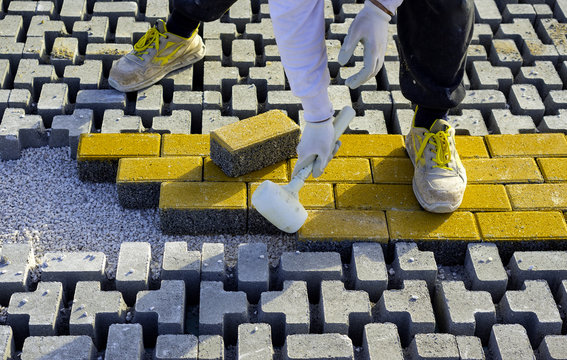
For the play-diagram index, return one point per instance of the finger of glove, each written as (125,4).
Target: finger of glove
(347,49)
(320,165)
(368,69)
(336,149)
(302,162)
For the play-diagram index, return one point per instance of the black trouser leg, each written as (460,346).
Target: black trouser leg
(434,36)
(187,14)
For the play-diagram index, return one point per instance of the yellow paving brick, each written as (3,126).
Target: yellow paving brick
(116,146)
(173,168)
(471,147)
(502,170)
(185,145)
(311,196)
(343,170)
(553,169)
(202,195)
(359,145)
(423,225)
(276,172)
(484,197)
(341,225)
(392,170)
(523,145)
(248,132)
(522,225)
(538,196)
(375,197)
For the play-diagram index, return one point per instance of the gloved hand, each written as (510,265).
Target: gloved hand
(370,27)
(317,144)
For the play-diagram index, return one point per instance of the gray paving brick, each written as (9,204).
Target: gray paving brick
(114,121)
(504,52)
(372,122)
(463,312)
(342,311)
(510,342)
(114,10)
(58,347)
(180,264)
(72,267)
(470,348)
(125,341)
(20,98)
(31,76)
(149,103)
(346,72)
(475,52)
(520,11)
(43,27)
(502,121)
(519,30)
(486,76)
(255,342)
(11,51)
(96,30)
(19,131)
(212,100)
(268,78)
(240,13)
(179,80)
(470,122)
(133,269)
(87,76)
(340,96)
(534,308)
(390,75)
(486,12)
(12,26)
(349,10)
(369,271)
(485,270)
(107,53)
(534,50)
(178,347)
(552,32)
(219,78)
(375,100)
(412,264)
(543,11)
(381,342)
(211,347)
(66,129)
(189,100)
(284,100)
(338,31)
(34,48)
(35,313)
(402,120)
(554,123)
(262,33)
(94,311)
(253,270)
(54,100)
(99,101)
(161,311)
(543,75)
(534,265)
(212,262)
(220,312)
(286,311)
(65,52)
(213,119)
(553,347)
(483,100)
(318,346)
(482,35)
(16,261)
(244,103)
(7,346)
(73,11)
(155,9)
(214,50)
(434,346)
(243,55)
(312,267)
(525,100)
(271,53)
(27,9)
(129,31)
(409,308)
(226,32)
(555,101)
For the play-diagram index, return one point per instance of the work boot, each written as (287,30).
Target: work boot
(439,178)
(155,55)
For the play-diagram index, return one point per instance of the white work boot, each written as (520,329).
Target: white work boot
(439,178)
(155,55)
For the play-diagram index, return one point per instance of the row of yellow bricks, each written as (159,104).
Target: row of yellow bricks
(506,172)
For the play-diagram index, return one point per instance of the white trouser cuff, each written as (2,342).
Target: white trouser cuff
(317,108)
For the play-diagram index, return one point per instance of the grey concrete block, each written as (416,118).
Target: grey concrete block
(553,347)
(502,121)
(520,11)
(535,50)
(20,98)
(486,76)
(381,342)
(375,100)
(114,10)
(87,76)
(312,267)
(107,53)
(19,131)
(284,100)
(542,75)
(11,51)
(7,346)
(504,52)
(554,123)
(72,267)
(161,311)
(65,52)
(254,342)
(369,271)
(114,121)
(149,103)
(213,262)
(27,9)
(470,122)
(176,347)
(212,100)
(211,347)
(550,266)
(339,96)
(214,50)
(262,33)
(510,342)
(35,313)
(342,311)
(66,129)
(390,75)
(129,31)
(470,348)
(243,55)
(482,35)
(178,80)
(180,264)
(409,308)
(125,341)
(133,269)
(372,122)
(412,264)
(5,76)
(52,101)
(12,26)
(253,270)
(483,100)
(96,30)
(268,78)
(318,346)
(551,32)
(240,14)
(519,30)
(244,102)
(555,101)
(58,347)
(485,270)
(286,311)
(463,312)
(189,100)
(338,31)
(43,27)
(94,311)
(525,100)
(220,312)
(219,78)
(99,101)
(226,32)
(32,76)
(486,12)
(213,120)
(72,11)
(35,49)
(155,10)
(434,346)
(16,261)
(534,308)
(179,122)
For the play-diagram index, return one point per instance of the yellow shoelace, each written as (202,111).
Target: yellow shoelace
(440,142)
(149,40)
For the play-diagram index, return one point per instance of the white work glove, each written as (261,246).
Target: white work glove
(317,144)
(370,27)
